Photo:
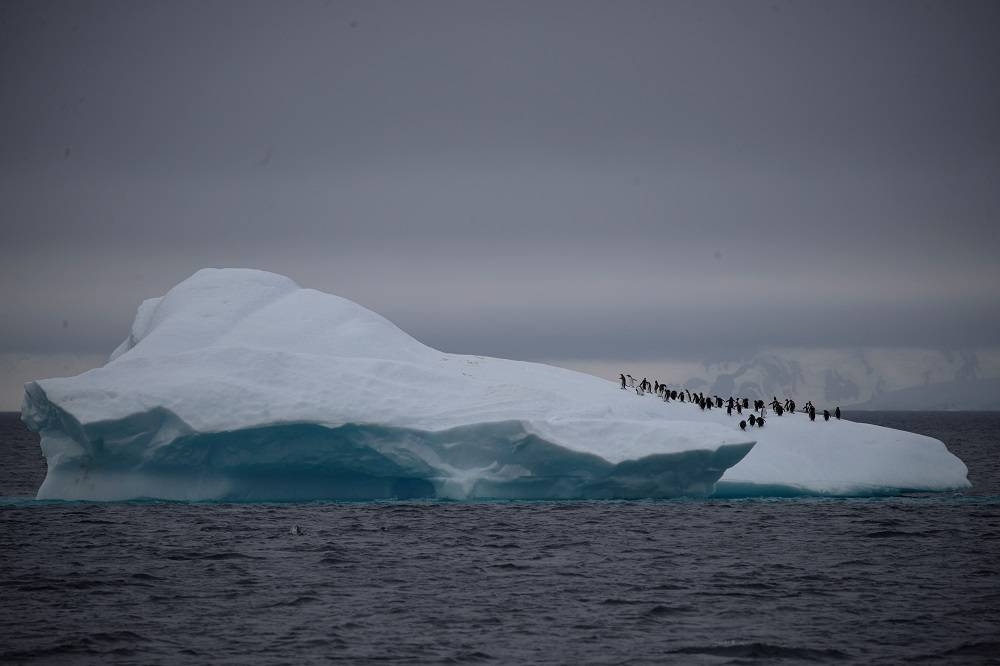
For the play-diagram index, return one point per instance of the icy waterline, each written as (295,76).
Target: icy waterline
(239,384)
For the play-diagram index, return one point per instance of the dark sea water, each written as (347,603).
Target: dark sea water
(887,580)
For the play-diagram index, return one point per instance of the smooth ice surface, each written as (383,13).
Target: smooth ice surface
(794,455)
(239,384)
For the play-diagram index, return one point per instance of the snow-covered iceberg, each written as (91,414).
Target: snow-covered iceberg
(795,456)
(239,384)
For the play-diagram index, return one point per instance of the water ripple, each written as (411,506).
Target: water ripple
(879,580)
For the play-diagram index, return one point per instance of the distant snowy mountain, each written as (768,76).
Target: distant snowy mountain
(862,378)
(970,395)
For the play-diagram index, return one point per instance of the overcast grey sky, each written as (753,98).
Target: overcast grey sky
(536,180)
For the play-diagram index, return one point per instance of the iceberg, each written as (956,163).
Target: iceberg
(239,384)
(795,456)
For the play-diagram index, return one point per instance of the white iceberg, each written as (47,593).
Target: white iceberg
(240,385)
(795,456)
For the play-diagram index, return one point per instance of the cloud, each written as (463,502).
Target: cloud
(564,180)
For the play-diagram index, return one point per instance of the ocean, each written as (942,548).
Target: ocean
(914,578)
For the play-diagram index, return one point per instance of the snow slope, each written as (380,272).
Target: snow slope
(796,456)
(239,384)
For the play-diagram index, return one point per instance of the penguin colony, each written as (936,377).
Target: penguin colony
(757,415)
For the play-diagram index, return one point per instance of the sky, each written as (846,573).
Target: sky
(576,182)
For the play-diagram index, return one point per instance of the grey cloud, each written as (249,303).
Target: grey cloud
(526,179)
(710,333)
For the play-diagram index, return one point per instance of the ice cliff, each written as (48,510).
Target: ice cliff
(239,384)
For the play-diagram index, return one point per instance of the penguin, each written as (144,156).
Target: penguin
(760,421)
(743,425)
(718,401)
(826,414)
(622,377)
(746,403)
(631,380)
(739,408)
(729,411)
(837,413)
(812,413)
(753,420)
